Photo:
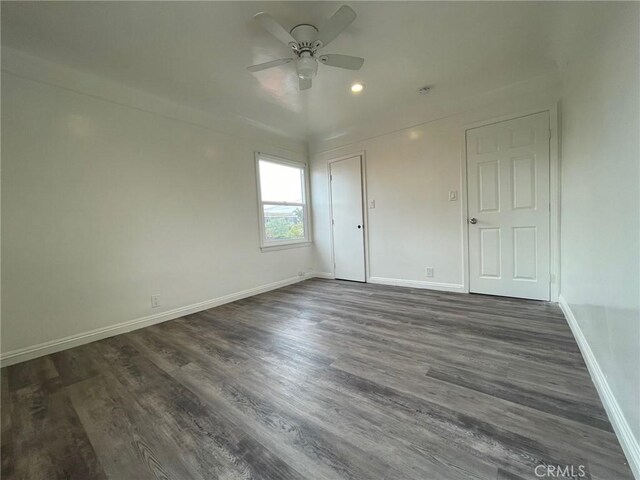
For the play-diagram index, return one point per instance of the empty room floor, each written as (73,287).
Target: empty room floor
(322,379)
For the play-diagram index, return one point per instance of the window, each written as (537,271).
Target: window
(282,194)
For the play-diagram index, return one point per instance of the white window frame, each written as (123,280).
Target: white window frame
(268,245)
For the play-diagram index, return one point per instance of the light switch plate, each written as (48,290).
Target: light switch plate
(453,195)
(155,301)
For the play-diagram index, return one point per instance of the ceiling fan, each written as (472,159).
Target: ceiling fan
(306,40)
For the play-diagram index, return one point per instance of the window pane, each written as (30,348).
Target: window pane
(280,183)
(283,222)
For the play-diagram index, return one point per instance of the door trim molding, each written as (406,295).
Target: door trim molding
(554,193)
(365,208)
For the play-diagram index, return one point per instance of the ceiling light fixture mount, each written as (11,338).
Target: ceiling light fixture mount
(424,90)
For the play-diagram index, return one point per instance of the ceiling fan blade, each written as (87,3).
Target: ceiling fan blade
(272,63)
(336,24)
(272,26)
(305,83)
(342,61)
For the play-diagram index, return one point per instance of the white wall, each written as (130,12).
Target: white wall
(601,203)
(104,205)
(409,174)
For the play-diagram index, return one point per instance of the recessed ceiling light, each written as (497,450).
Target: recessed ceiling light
(357,87)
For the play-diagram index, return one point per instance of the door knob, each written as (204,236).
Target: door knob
(473,221)
(359,226)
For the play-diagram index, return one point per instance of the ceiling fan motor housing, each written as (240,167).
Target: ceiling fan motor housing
(305,35)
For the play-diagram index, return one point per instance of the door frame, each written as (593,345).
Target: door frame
(554,194)
(365,208)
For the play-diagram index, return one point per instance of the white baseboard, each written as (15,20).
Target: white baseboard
(53,346)
(620,425)
(328,275)
(445,287)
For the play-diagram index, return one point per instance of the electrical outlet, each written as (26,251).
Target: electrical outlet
(155,301)
(429,272)
(301,273)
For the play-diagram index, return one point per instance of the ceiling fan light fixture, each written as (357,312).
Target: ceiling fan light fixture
(307,67)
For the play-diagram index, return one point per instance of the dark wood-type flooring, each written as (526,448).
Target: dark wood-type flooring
(320,380)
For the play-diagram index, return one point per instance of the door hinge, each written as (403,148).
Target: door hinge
(333,222)
(550,134)
(331,178)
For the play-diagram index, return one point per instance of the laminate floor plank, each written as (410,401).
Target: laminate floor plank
(541,427)
(159,348)
(48,440)
(75,365)
(127,444)
(6,434)
(217,447)
(561,405)
(414,451)
(40,372)
(323,379)
(466,432)
(308,446)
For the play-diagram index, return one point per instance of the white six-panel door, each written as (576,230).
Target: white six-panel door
(347,219)
(508,207)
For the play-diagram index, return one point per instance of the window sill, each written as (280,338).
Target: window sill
(286,246)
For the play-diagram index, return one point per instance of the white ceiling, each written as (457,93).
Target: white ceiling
(196,53)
